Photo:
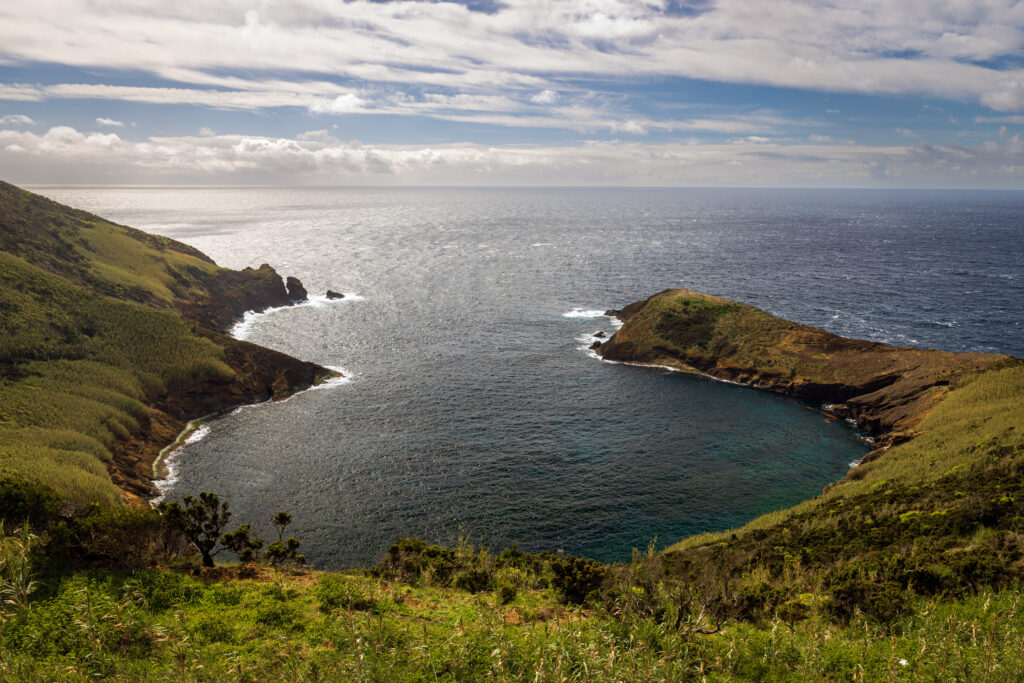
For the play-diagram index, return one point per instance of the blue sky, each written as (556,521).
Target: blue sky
(879,93)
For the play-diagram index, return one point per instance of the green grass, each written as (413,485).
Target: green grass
(99,322)
(76,369)
(159,625)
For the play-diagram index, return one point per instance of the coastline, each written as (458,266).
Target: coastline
(162,465)
(885,391)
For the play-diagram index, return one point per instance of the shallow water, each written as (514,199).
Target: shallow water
(473,407)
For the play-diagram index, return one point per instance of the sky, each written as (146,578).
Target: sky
(792,93)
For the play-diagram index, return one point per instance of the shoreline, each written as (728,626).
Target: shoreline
(884,391)
(162,466)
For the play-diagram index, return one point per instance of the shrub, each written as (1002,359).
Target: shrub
(474,580)
(576,577)
(507,593)
(23,501)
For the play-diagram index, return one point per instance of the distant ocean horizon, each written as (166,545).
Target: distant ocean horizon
(472,406)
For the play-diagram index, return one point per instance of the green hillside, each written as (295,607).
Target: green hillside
(936,509)
(103,330)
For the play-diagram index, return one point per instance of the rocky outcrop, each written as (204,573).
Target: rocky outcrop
(886,390)
(296,291)
(331,294)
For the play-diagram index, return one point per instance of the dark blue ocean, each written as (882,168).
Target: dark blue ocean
(473,407)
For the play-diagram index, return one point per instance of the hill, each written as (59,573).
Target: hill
(111,339)
(937,506)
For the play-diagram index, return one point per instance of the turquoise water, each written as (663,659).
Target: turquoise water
(473,407)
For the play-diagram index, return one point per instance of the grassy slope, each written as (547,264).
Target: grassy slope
(159,625)
(947,492)
(98,324)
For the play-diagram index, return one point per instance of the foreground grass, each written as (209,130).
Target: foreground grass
(161,625)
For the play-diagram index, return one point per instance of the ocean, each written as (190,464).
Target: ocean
(472,407)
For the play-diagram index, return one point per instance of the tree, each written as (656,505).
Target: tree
(283,550)
(202,521)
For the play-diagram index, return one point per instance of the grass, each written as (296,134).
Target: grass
(162,625)
(99,322)
(77,370)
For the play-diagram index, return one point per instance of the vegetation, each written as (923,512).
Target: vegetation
(515,616)
(98,323)
(909,568)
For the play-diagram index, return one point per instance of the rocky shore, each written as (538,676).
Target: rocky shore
(261,374)
(885,390)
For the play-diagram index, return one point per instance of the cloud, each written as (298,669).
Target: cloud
(103,121)
(545,97)
(64,154)
(873,46)
(16,120)
(342,104)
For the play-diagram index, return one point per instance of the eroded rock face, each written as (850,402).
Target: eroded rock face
(295,289)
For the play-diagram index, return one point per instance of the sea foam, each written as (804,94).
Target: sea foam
(240,330)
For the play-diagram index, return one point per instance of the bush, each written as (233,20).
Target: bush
(124,538)
(474,580)
(576,577)
(409,559)
(23,501)
(507,593)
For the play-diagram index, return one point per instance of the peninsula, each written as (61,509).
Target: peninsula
(948,431)
(112,339)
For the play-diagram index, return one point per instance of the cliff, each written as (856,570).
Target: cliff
(886,390)
(111,340)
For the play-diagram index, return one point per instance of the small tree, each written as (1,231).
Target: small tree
(283,550)
(202,521)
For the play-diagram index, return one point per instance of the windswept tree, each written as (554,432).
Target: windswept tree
(283,550)
(202,521)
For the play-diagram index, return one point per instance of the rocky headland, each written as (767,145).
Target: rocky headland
(113,339)
(886,390)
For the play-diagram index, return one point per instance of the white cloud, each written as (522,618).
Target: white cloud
(16,120)
(64,154)
(342,104)
(872,46)
(545,97)
(103,121)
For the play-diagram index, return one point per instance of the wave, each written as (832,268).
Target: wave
(240,329)
(169,461)
(585,313)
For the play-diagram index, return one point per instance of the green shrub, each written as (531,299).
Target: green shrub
(576,577)
(474,580)
(23,501)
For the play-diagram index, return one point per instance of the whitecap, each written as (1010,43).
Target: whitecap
(584,313)
(240,329)
(543,244)
(169,461)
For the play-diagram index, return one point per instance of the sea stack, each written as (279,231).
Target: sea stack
(295,289)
